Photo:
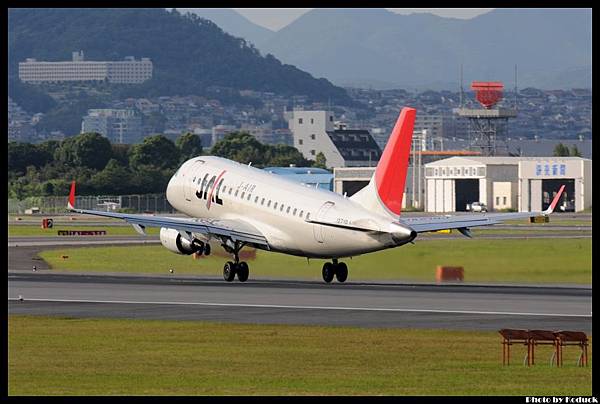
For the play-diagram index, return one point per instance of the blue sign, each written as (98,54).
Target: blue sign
(557,169)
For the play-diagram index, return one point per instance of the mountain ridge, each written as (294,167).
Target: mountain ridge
(189,54)
(422,49)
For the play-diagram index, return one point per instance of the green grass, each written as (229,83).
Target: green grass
(524,232)
(509,260)
(65,356)
(35,231)
(552,222)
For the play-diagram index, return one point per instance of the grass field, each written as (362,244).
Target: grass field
(35,231)
(62,356)
(523,260)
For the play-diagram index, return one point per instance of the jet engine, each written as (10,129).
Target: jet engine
(172,241)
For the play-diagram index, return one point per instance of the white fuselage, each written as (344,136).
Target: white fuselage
(216,188)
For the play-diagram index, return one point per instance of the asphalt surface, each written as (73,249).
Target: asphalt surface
(467,307)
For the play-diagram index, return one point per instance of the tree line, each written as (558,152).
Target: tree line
(100,167)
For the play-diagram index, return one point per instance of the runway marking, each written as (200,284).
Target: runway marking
(275,306)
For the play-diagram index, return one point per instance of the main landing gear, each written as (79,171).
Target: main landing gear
(231,269)
(335,268)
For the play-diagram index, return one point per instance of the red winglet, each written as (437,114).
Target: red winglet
(71,203)
(555,200)
(390,174)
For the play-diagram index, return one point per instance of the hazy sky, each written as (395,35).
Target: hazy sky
(277,18)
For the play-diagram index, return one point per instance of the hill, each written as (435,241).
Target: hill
(233,23)
(191,55)
(375,46)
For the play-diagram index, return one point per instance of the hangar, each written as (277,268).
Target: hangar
(507,183)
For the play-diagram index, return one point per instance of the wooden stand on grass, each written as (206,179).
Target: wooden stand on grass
(533,338)
(511,337)
(576,338)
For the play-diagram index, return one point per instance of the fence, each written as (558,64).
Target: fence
(131,203)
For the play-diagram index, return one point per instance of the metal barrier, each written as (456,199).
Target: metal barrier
(156,203)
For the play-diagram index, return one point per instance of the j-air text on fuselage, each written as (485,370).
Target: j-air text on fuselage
(236,205)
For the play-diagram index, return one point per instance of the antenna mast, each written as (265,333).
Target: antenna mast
(516,92)
(461,85)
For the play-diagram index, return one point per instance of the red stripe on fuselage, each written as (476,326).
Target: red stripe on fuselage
(208,203)
(390,175)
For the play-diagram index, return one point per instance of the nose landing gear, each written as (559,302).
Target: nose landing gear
(336,269)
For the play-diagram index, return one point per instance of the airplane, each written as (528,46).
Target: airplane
(237,205)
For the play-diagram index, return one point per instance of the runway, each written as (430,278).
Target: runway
(466,307)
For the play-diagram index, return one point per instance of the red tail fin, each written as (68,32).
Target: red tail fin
(390,175)
(71,203)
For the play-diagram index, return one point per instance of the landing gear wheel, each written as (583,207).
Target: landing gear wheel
(229,271)
(242,271)
(341,272)
(206,249)
(328,272)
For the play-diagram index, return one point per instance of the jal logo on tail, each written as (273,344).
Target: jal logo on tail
(210,188)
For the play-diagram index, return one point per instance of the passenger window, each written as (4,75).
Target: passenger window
(288,210)
(295,210)
(269,204)
(262,202)
(242,196)
(256,200)
(230,191)
(281,208)
(236,192)
(275,207)
(307,215)
(301,213)
(249,196)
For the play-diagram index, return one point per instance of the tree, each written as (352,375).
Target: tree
(241,147)
(90,150)
(284,155)
(320,161)
(120,152)
(189,146)
(113,179)
(47,150)
(560,150)
(156,151)
(575,151)
(21,155)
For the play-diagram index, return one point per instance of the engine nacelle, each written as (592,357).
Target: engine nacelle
(172,241)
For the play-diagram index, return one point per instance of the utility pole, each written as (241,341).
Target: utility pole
(419,189)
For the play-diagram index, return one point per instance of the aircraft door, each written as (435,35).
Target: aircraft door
(318,229)
(188,185)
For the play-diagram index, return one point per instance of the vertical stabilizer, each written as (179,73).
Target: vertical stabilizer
(385,191)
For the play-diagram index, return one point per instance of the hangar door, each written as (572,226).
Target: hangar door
(466,192)
(551,187)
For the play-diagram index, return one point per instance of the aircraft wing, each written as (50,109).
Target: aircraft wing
(235,230)
(463,222)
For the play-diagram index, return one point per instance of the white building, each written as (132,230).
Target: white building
(515,183)
(315,131)
(118,125)
(128,71)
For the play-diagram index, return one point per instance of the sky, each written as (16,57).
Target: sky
(277,18)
